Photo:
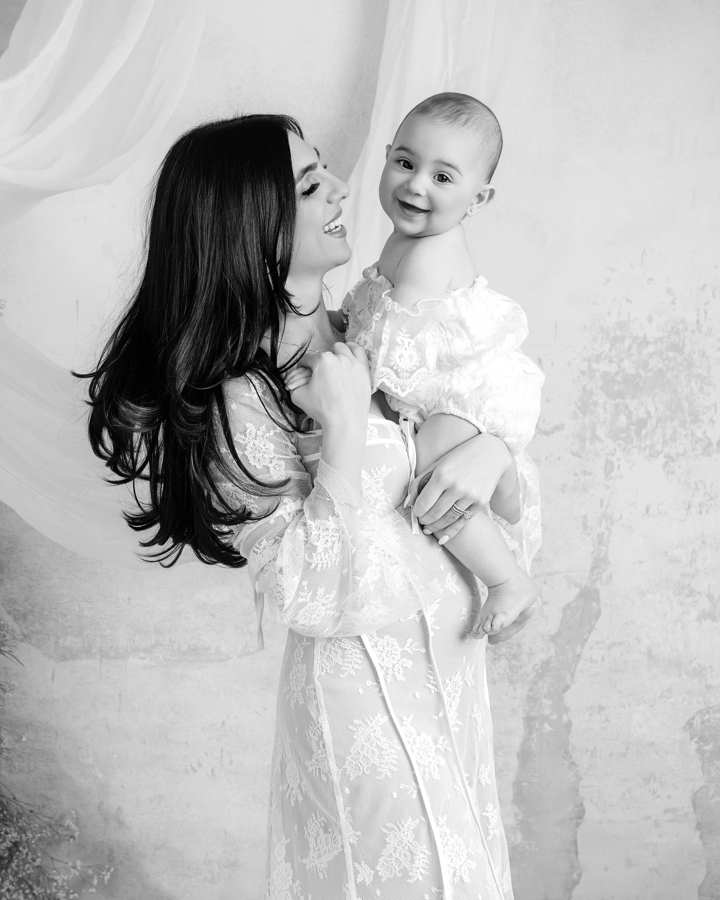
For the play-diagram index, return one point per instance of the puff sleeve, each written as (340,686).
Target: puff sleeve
(458,355)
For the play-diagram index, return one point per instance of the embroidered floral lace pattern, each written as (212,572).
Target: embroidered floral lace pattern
(457,354)
(382,780)
(460,355)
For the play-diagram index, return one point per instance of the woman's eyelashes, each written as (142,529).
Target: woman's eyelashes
(314,186)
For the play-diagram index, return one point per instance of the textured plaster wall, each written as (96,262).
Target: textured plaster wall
(146,710)
(606,229)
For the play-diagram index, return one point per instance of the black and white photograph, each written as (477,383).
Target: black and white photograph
(359,450)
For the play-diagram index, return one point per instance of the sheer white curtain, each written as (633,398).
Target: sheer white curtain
(48,474)
(85,87)
(469,46)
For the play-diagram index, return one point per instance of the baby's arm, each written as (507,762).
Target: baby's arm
(479,545)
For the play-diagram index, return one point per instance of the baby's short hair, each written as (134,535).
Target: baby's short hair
(466,112)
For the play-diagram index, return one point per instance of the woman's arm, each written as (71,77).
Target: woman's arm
(324,561)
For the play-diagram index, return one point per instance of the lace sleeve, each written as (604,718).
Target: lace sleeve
(322,559)
(524,538)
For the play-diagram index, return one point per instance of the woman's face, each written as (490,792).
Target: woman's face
(320,242)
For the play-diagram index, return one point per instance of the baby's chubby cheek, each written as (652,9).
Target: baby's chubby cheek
(385,191)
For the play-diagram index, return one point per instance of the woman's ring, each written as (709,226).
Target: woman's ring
(465,513)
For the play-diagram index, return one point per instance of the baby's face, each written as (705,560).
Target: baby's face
(432,174)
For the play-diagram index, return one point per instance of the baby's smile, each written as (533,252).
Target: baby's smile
(410,209)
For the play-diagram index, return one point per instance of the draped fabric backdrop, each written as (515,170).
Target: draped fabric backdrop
(85,89)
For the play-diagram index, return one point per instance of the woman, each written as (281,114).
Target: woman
(382,778)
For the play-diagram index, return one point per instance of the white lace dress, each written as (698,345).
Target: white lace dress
(382,784)
(458,354)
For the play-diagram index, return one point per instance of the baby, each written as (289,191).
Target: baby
(442,346)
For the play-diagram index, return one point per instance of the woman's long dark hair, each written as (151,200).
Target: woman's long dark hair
(218,254)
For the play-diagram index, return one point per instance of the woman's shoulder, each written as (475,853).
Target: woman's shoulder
(362,303)
(260,425)
(372,274)
(252,394)
(366,292)
(248,388)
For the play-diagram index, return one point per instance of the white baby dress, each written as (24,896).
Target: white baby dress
(458,354)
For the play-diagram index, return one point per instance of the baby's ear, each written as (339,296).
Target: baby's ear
(388,148)
(481,199)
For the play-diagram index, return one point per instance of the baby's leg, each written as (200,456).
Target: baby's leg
(479,545)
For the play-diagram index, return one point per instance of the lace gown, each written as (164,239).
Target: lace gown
(382,784)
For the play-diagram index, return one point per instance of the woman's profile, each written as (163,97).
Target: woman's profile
(382,781)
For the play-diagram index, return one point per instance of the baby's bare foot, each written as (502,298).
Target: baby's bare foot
(516,626)
(505,603)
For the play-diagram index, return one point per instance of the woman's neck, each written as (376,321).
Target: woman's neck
(312,328)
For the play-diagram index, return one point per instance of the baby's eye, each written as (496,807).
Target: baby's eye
(443,178)
(311,190)
(405,163)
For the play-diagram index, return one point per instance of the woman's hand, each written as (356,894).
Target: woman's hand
(478,471)
(332,387)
